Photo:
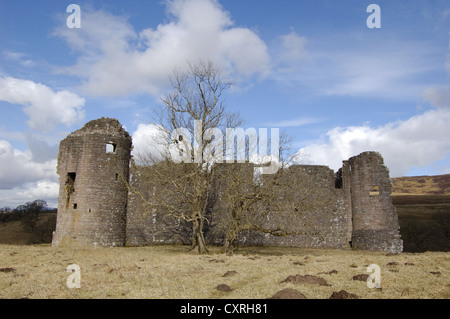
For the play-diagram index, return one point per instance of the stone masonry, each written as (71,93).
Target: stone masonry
(95,208)
(93,164)
(375,220)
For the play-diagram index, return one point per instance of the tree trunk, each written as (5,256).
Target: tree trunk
(234,227)
(198,240)
(229,246)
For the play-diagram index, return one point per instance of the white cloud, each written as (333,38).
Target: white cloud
(149,143)
(346,65)
(17,167)
(29,175)
(293,49)
(19,57)
(389,73)
(22,179)
(45,107)
(116,60)
(46,190)
(416,142)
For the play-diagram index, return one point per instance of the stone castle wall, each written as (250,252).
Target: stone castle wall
(148,226)
(324,219)
(351,208)
(318,215)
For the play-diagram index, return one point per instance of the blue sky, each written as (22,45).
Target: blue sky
(311,68)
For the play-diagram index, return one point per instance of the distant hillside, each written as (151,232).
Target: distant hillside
(421,185)
(12,232)
(423,207)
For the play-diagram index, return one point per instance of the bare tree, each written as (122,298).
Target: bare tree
(271,204)
(192,119)
(193,178)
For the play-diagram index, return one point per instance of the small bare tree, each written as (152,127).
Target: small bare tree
(280,204)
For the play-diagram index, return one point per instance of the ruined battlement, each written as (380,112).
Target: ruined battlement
(95,208)
(104,126)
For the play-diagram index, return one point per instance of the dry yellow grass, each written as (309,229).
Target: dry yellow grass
(13,233)
(174,272)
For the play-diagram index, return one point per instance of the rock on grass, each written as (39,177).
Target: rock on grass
(306,279)
(361,277)
(224,288)
(342,294)
(288,293)
(7,269)
(230,273)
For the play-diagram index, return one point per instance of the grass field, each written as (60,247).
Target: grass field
(12,233)
(423,206)
(174,272)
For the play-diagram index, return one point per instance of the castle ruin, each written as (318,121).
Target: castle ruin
(96,209)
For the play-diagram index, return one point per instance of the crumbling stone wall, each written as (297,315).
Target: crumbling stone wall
(146,225)
(337,211)
(351,208)
(93,165)
(321,216)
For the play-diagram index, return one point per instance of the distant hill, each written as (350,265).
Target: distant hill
(12,232)
(423,207)
(421,185)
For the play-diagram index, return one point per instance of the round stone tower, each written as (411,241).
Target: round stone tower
(93,168)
